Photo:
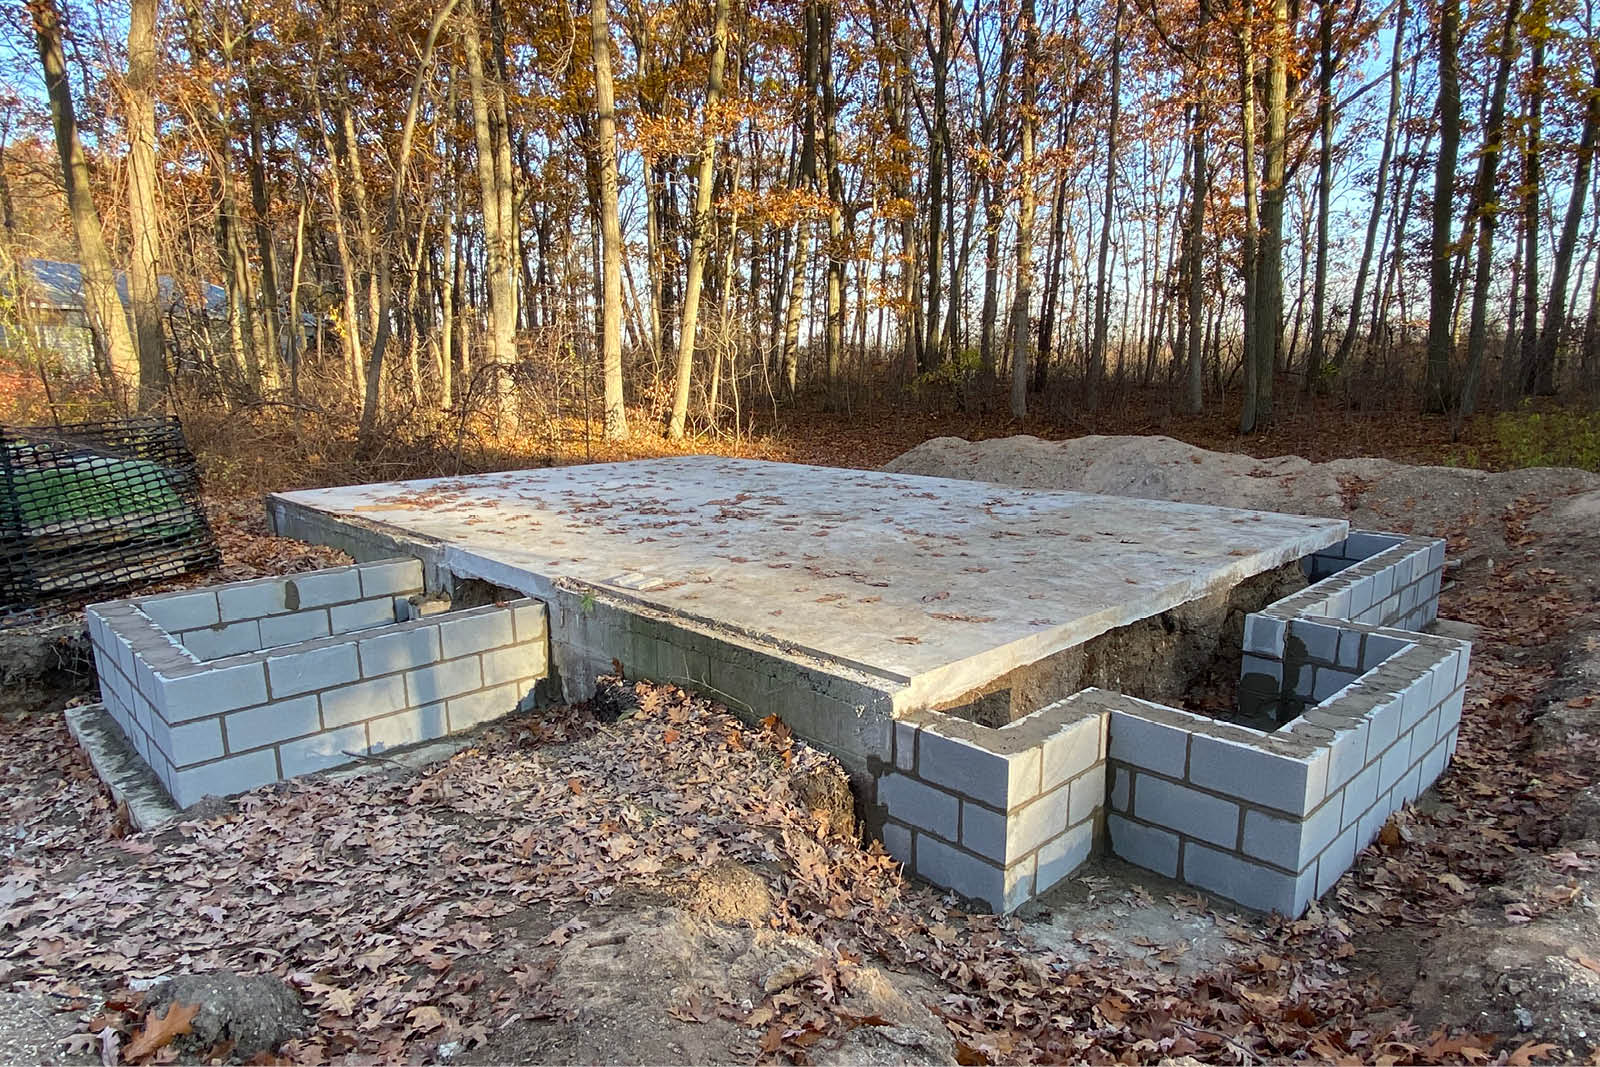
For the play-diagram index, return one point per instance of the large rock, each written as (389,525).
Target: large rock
(256,1012)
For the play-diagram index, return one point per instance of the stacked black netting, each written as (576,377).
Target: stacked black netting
(96,505)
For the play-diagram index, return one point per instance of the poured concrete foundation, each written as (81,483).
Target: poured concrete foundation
(865,608)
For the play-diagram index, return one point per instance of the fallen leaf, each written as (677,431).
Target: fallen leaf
(159,1030)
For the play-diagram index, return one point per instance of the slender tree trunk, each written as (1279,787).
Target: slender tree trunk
(1317,356)
(1555,311)
(107,319)
(616,413)
(1531,165)
(1195,396)
(1440,337)
(1268,319)
(500,249)
(1250,364)
(1026,209)
(144,274)
(1484,211)
(701,234)
(1102,292)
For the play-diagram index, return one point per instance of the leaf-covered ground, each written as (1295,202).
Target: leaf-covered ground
(439,914)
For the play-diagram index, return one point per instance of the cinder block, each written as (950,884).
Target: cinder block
(1424,735)
(1188,811)
(1335,860)
(226,639)
(1373,820)
(475,631)
(1148,745)
(1263,635)
(897,841)
(361,615)
(193,696)
(390,578)
(1450,712)
(1360,596)
(330,748)
(407,728)
(1329,681)
(532,620)
(1000,781)
(513,663)
(1378,648)
(251,600)
(984,831)
(194,742)
(1320,640)
(236,774)
(362,701)
(1088,793)
(1349,652)
(1285,783)
(318,589)
(449,678)
(1360,794)
(1252,884)
(1338,603)
(920,805)
(905,747)
(1395,762)
(1443,679)
(1416,702)
(399,650)
(1410,785)
(1060,857)
(183,611)
(468,711)
(1382,585)
(1383,726)
(1121,787)
(1364,544)
(291,629)
(1144,846)
(309,669)
(268,724)
(1433,763)
(1291,843)
(949,867)
(1069,752)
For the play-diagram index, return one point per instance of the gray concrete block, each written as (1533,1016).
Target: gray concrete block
(1329,681)
(1144,846)
(291,629)
(999,780)
(1349,651)
(398,577)
(513,663)
(475,631)
(1285,783)
(1148,745)
(251,600)
(362,701)
(183,611)
(306,670)
(1060,857)
(465,712)
(1417,700)
(897,841)
(407,727)
(1373,820)
(1364,544)
(193,696)
(1442,679)
(318,589)
(330,748)
(1088,794)
(1291,843)
(531,620)
(1382,585)
(1433,763)
(1069,752)
(905,747)
(1121,787)
(1378,648)
(236,774)
(1360,596)
(1383,726)
(1263,635)
(1338,604)
(984,831)
(1320,640)
(949,867)
(1409,787)
(1188,811)
(398,650)
(282,720)
(1423,735)
(439,681)
(194,742)
(1360,794)
(1395,762)
(1244,882)
(920,805)
(361,615)
(1335,860)
(226,639)
(1450,712)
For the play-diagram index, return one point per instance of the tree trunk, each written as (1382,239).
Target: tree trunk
(1026,209)
(1317,356)
(1250,365)
(500,250)
(1102,294)
(1195,396)
(1532,373)
(1437,384)
(144,273)
(701,234)
(1555,311)
(102,306)
(1268,318)
(616,413)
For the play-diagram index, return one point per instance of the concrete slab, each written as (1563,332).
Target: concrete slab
(934,585)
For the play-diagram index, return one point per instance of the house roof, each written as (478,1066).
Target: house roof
(59,284)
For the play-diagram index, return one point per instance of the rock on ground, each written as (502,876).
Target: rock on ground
(256,1012)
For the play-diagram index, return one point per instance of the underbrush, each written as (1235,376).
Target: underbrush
(1549,439)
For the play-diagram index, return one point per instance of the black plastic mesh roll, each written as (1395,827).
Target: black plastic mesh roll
(94,506)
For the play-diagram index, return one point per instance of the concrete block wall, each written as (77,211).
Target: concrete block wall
(999,815)
(229,724)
